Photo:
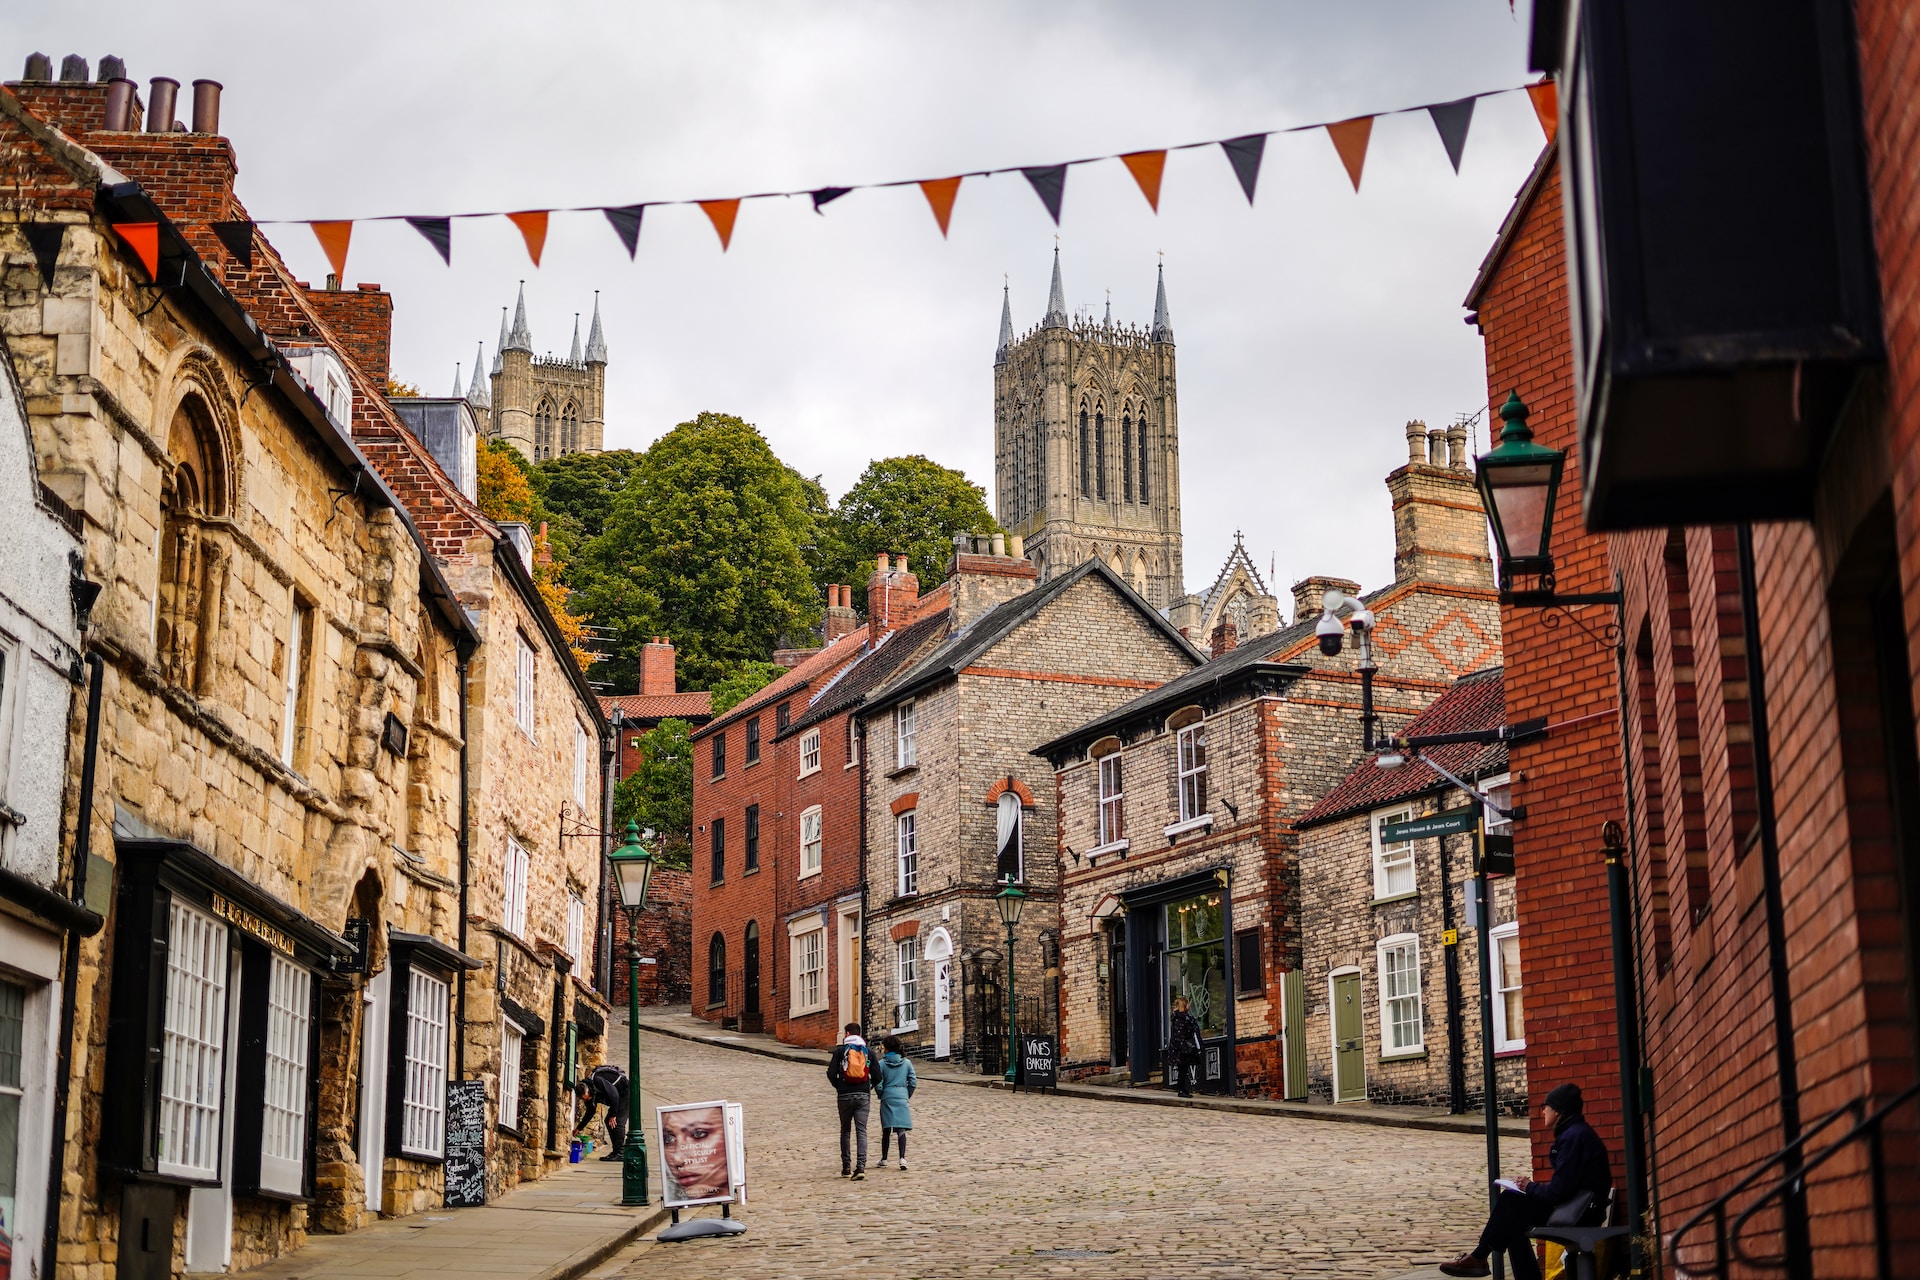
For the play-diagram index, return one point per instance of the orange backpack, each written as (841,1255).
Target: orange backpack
(854,1069)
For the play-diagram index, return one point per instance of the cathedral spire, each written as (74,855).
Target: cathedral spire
(1056,317)
(521,339)
(573,357)
(1109,320)
(1006,325)
(501,345)
(596,340)
(456,380)
(477,395)
(1162,322)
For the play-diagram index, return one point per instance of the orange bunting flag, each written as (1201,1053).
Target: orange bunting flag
(1545,97)
(721,214)
(1146,168)
(940,193)
(1350,140)
(333,237)
(533,229)
(144,239)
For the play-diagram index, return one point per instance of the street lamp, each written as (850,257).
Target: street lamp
(1011,900)
(1519,482)
(632,872)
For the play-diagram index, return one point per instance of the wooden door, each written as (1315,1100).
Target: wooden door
(1349,1055)
(1293,1007)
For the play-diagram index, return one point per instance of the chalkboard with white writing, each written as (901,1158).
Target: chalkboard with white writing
(466,1165)
(1039,1063)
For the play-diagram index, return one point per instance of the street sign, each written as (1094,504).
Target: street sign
(1496,855)
(1451,822)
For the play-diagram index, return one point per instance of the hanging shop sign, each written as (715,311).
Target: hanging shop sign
(1450,823)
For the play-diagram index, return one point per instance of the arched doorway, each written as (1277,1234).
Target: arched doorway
(750,962)
(940,963)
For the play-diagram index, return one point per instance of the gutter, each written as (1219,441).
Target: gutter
(507,556)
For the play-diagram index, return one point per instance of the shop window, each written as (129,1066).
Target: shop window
(907,852)
(753,740)
(720,754)
(1193,772)
(809,752)
(423,1101)
(1112,825)
(810,842)
(513,894)
(1196,965)
(1400,1021)
(906,751)
(810,969)
(283,1134)
(1509,1012)
(193,1045)
(1249,973)
(718,841)
(750,860)
(512,1040)
(907,967)
(1393,866)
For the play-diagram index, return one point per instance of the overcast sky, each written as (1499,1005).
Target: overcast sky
(1310,327)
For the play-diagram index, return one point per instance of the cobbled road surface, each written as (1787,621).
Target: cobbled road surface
(1007,1185)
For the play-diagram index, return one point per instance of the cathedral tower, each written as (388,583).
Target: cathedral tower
(1087,443)
(546,406)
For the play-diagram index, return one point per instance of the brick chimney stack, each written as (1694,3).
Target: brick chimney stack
(656,667)
(1439,527)
(1308,592)
(363,320)
(892,595)
(840,619)
(1226,637)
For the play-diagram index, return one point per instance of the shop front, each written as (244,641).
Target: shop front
(1175,941)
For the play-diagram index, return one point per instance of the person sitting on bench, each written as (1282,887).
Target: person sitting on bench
(1580,1166)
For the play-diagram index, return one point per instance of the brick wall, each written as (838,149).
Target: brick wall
(666,937)
(362,318)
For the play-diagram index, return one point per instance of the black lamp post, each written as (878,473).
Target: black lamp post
(632,872)
(1011,900)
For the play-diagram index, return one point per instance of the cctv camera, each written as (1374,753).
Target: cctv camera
(1330,633)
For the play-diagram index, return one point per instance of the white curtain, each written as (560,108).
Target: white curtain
(1008,839)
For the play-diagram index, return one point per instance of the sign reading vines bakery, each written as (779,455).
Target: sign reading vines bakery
(235,914)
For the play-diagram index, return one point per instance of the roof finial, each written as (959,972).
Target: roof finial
(1109,308)
(1162,322)
(573,357)
(1006,321)
(458,385)
(1056,317)
(521,339)
(477,395)
(596,340)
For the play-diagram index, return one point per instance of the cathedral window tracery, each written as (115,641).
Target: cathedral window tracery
(543,431)
(1100,451)
(1142,423)
(569,428)
(1126,453)
(1086,455)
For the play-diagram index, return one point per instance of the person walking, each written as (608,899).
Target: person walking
(1580,1165)
(1183,1047)
(605,1086)
(851,1073)
(894,1080)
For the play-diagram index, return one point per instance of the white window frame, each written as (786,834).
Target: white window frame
(1191,743)
(513,888)
(810,842)
(296,658)
(807,950)
(1498,788)
(1391,859)
(809,752)
(576,929)
(423,1097)
(1503,982)
(582,755)
(853,745)
(906,831)
(1112,815)
(906,749)
(513,1040)
(283,1126)
(1391,994)
(9,665)
(906,972)
(523,684)
(193,1070)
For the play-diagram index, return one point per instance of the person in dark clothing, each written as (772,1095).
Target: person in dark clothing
(1580,1164)
(851,1073)
(605,1086)
(1183,1047)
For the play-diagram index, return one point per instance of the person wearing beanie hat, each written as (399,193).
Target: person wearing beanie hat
(1580,1164)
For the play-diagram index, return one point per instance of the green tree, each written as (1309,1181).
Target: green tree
(746,680)
(909,505)
(578,491)
(706,544)
(659,793)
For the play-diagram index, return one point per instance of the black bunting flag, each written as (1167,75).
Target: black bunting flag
(1049,183)
(1244,155)
(238,238)
(44,238)
(438,233)
(826,196)
(626,225)
(1452,120)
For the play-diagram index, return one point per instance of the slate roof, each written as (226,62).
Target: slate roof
(1476,701)
(966,645)
(818,667)
(896,652)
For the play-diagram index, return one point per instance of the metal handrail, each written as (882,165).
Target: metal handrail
(1866,1125)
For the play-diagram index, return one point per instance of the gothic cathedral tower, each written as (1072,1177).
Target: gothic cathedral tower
(1087,443)
(546,406)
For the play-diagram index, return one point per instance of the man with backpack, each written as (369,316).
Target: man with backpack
(851,1073)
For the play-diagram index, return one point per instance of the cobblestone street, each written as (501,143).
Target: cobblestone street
(997,1180)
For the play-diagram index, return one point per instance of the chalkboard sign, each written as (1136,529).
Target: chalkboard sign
(1039,1066)
(466,1165)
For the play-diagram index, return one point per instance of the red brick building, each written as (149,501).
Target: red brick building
(659,698)
(666,942)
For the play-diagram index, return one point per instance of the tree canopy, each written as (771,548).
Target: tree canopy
(659,793)
(579,490)
(912,506)
(504,492)
(745,681)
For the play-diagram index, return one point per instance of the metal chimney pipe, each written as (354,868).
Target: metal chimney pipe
(160,99)
(206,106)
(119,105)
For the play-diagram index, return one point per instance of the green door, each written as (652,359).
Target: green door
(1349,1059)
(1293,1009)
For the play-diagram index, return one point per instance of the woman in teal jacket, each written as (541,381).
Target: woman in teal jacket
(894,1081)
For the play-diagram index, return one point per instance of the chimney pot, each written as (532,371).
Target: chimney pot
(73,69)
(161,95)
(999,544)
(1437,447)
(206,106)
(119,105)
(39,67)
(1416,441)
(1457,446)
(1226,637)
(1017,547)
(112,67)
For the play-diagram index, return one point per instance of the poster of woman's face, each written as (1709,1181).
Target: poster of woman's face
(694,1154)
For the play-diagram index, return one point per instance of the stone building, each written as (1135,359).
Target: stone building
(545,405)
(1389,967)
(1087,443)
(276,798)
(1179,848)
(1237,604)
(955,804)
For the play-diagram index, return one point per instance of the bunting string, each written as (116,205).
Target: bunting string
(1350,137)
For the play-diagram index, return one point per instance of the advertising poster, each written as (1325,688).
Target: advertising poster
(701,1161)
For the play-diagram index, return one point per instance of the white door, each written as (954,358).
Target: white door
(210,1209)
(940,956)
(373,1086)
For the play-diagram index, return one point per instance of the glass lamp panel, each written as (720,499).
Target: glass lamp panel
(631,875)
(1520,499)
(1011,905)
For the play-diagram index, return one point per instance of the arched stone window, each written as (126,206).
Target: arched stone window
(717,970)
(1100,450)
(569,428)
(1086,455)
(1126,453)
(1141,423)
(543,431)
(192,565)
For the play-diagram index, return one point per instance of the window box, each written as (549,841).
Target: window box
(1178,829)
(1102,850)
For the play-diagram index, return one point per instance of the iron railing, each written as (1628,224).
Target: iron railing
(1727,1244)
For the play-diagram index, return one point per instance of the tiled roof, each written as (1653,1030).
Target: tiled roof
(661,706)
(896,653)
(1476,701)
(818,667)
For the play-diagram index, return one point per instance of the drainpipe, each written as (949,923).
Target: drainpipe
(1636,1092)
(1456,1027)
(70,970)
(860,978)
(461,665)
(1799,1248)
(609,778)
